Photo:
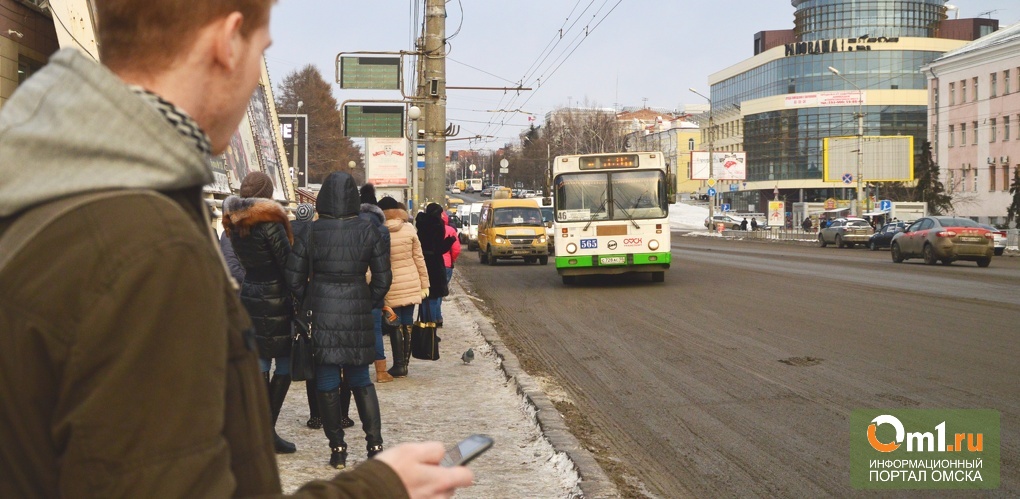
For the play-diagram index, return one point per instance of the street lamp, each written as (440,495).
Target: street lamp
(414,112)
(860,137)
(711,163)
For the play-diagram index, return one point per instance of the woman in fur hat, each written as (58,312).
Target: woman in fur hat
(261,236)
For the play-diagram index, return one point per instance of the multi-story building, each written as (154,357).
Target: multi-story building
(780,104)
(974,122)
(676,143)
(27,39)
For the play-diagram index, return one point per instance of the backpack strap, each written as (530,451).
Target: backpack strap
(37,219)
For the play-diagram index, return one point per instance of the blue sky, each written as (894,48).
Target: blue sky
(635,53)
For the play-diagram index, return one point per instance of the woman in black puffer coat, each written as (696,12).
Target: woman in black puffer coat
(434,243)
(261,236)
(342,247)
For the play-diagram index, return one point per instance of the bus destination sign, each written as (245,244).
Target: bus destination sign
(608,162)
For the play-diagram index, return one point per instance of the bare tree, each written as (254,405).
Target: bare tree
(328,150)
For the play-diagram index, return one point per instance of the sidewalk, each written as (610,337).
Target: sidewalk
(447,400)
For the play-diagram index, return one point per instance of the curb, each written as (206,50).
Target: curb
(593,480)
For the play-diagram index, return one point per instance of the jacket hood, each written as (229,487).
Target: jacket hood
(241,214)
(75,127)
(339,196)
(395,219)
(377,214)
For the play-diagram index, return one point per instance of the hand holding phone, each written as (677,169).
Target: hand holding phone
(468,449)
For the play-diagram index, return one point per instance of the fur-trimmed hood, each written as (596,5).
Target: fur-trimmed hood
(242,214)
(395,218)
(374,211)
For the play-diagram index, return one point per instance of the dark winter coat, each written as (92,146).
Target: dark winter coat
(343,247)
(261,235)
(227,248)
(432,234)
(375,215)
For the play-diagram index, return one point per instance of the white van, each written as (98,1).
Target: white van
(469,227)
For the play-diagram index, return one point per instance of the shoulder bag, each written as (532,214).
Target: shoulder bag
(424,337)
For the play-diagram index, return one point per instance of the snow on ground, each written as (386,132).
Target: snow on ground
(687,217)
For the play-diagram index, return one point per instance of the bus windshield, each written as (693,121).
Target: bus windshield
(611,195)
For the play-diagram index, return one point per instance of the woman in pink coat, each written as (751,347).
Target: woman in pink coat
(410,281)
(448,259)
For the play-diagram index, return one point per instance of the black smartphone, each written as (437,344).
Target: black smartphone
(468,449)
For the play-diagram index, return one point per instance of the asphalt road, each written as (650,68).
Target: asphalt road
(737,376)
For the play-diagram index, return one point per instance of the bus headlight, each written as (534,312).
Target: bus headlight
(571,248)
(500,240)
(653,245)
(541,239)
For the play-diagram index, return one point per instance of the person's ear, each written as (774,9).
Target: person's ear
(228,41)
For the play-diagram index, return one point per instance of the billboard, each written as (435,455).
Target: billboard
(884,159)
(386,161)
(294,130)
(728,165)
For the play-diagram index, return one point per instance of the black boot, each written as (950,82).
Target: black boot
(277,393)
(405,331)
(314,421)
(329,409)
(345,405)
(371,421)
(399,369)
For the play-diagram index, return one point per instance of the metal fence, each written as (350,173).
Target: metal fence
(785,234)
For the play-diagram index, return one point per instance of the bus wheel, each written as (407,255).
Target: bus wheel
(569,279)
(543,260)
(492,259)
(658,277)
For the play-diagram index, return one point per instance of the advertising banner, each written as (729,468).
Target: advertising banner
(777,214)
(386,161)
(294,130)
(728,165)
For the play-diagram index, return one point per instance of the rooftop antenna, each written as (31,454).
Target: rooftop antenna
(988,13)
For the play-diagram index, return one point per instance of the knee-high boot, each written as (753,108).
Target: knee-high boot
(329,409)
(345,405)
(405,332)
(314,421)
(371,420)
(277,393)
(399,369)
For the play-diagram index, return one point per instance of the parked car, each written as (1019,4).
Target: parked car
(882,238)
(727,221)
(845,232)
(998,238)
(944,239)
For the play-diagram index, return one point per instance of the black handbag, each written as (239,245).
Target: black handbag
(424,337)
(302,351)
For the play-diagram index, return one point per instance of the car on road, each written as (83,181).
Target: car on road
(455,190)
(512,228)
(998,237)
(845,232)
(882,238)
(944,239)
(487,192)
(548,217)
(727,221)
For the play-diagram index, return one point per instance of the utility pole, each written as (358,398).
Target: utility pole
(433,84)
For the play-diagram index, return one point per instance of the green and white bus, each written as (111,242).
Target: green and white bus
(611,214)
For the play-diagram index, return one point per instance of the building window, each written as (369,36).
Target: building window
(992,84)
(991,178)
(952,135)
(952,183)
(690,144)
(974,183)
(992,131)
(1005,128)
(952,94)
(973,127)
(1005,177)
(963,91)
(963,134)
(974,95)
(1005,82)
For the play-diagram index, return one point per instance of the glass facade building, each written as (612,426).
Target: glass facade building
(873,44)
